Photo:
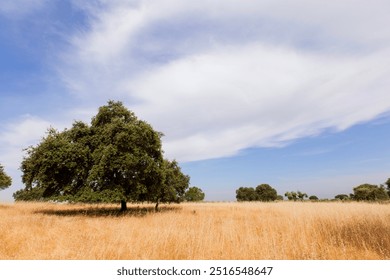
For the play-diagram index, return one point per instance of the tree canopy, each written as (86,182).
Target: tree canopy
(369,192)
(263,192)
(5,180)
(116,158)
(194,194)
(246,194)
(266,193)
(342,197)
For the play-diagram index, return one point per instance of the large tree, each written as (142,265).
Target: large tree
(5,180)
(116,158)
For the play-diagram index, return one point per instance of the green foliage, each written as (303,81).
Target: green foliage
(116,158)
(5,180)
(194,194)
(342,197)
(313,197)
(388,186)
(291,195)
(266,193)
(34,194)
(175,183)
(246,194)
(369,192)
(263,192)
(301,195)
(295,195)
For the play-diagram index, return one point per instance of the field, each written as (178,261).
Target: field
(205,231)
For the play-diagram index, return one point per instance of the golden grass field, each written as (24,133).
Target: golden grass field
(204,231)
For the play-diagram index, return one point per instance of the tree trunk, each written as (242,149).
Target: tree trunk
(123,205)
(156,207)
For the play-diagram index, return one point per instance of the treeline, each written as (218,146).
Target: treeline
(364,192)
(368,192)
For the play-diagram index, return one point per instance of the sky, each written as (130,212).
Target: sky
(294,94)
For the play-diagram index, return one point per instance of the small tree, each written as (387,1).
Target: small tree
(246,194)
(294,195)
(291,195)
(266,193)
(301,195)
(288,195)
(342,197)
(194,194)
(313,197)
(5,180)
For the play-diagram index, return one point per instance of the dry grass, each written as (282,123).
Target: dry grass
(284,231)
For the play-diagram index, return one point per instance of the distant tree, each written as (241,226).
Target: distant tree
(388,186)
(301,195)
(117,158)
(294,196)
(370,192)
(246,194)
(313,197)
(5,180)
(342,197)
(266,193)
(279,197)
(291,195)
(194,194)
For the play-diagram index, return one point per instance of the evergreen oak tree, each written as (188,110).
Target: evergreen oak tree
(117,158)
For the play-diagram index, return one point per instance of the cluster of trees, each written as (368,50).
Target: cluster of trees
(368,192)
(263,192)
(298,195)
(364,192)
(117,158)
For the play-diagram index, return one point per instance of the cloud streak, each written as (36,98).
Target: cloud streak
(224,101)
(217,79)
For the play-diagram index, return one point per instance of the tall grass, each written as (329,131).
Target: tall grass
(283,230)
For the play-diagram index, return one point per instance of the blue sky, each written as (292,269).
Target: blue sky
(290,93)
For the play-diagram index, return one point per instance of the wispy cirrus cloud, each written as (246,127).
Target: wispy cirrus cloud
(220,78)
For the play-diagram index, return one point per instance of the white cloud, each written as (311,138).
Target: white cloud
(14,138)
(19,135)
(289,74)
(215,104)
